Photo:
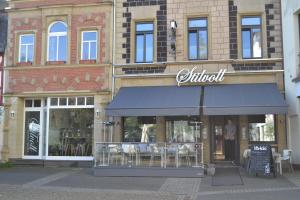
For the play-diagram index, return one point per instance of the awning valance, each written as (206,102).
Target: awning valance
(243,99)
(156,101)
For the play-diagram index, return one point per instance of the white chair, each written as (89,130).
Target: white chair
(287,157)
(246,157)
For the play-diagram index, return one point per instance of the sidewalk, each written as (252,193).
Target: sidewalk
(76,184)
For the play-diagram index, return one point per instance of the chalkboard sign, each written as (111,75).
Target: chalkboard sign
(261,160)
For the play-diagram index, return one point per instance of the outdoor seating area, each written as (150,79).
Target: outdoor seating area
(161,155)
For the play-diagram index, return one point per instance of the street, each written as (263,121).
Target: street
(77,184)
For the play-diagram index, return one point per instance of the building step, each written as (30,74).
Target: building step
(50,163)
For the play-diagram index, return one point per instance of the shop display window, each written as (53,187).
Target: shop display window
(182,129)
(261,128)
(140,129)
(70,132)
(71,125)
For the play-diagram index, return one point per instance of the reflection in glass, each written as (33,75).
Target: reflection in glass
(256,43)
(144,42)
(139,129)
(28,103)
(70,132)
(251,37)
(52,48)
(198,39)
(202,44)
(261,128)
(80,101)
(197,23)
(182,130)
(251,21)
(193,45)
(32,133)
(89,45)
(54,101)
(62,101)
(26,48)
(62,48)
(149,48)
(139,48)
(90,101)
(246,37)
(57,47)
(71,101)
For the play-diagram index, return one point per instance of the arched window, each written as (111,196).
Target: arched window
(57,42)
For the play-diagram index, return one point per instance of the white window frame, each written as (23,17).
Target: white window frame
(57,35)
(89,42)
(41,136)
(85,158)
(26,45)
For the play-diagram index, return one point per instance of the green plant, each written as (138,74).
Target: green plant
(6,165)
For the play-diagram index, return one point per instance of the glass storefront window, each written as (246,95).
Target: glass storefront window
(261,128)
(140,129)
(54,101)
(70,131)
(181,129)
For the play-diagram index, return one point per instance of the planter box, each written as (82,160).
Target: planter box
(87,62)
(55,62)
(24,64)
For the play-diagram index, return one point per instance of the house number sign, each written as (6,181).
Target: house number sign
(190,76)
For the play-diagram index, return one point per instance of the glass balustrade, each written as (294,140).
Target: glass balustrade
(163,155)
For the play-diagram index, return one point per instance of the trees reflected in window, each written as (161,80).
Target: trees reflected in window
(251,37)
(144,42)
(197,39)
(261,128)
(139,129)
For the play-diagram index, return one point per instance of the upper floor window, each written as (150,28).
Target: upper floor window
(57,42)
(251,37)
(26,48)
(144,42)
(89,45)
(197,39)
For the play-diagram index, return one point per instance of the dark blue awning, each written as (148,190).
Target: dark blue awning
(156,101)
(243,99)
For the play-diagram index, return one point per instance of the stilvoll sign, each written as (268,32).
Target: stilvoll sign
(190,76)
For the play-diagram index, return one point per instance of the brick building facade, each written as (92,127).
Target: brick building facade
(62,90)
(75,76)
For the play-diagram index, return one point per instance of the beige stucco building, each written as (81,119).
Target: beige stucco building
(242,37)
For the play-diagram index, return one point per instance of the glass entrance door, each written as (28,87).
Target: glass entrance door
(32,134)
(218,138)
(224,140)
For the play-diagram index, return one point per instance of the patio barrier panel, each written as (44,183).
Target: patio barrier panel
(163,155)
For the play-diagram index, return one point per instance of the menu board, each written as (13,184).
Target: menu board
(261,160)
